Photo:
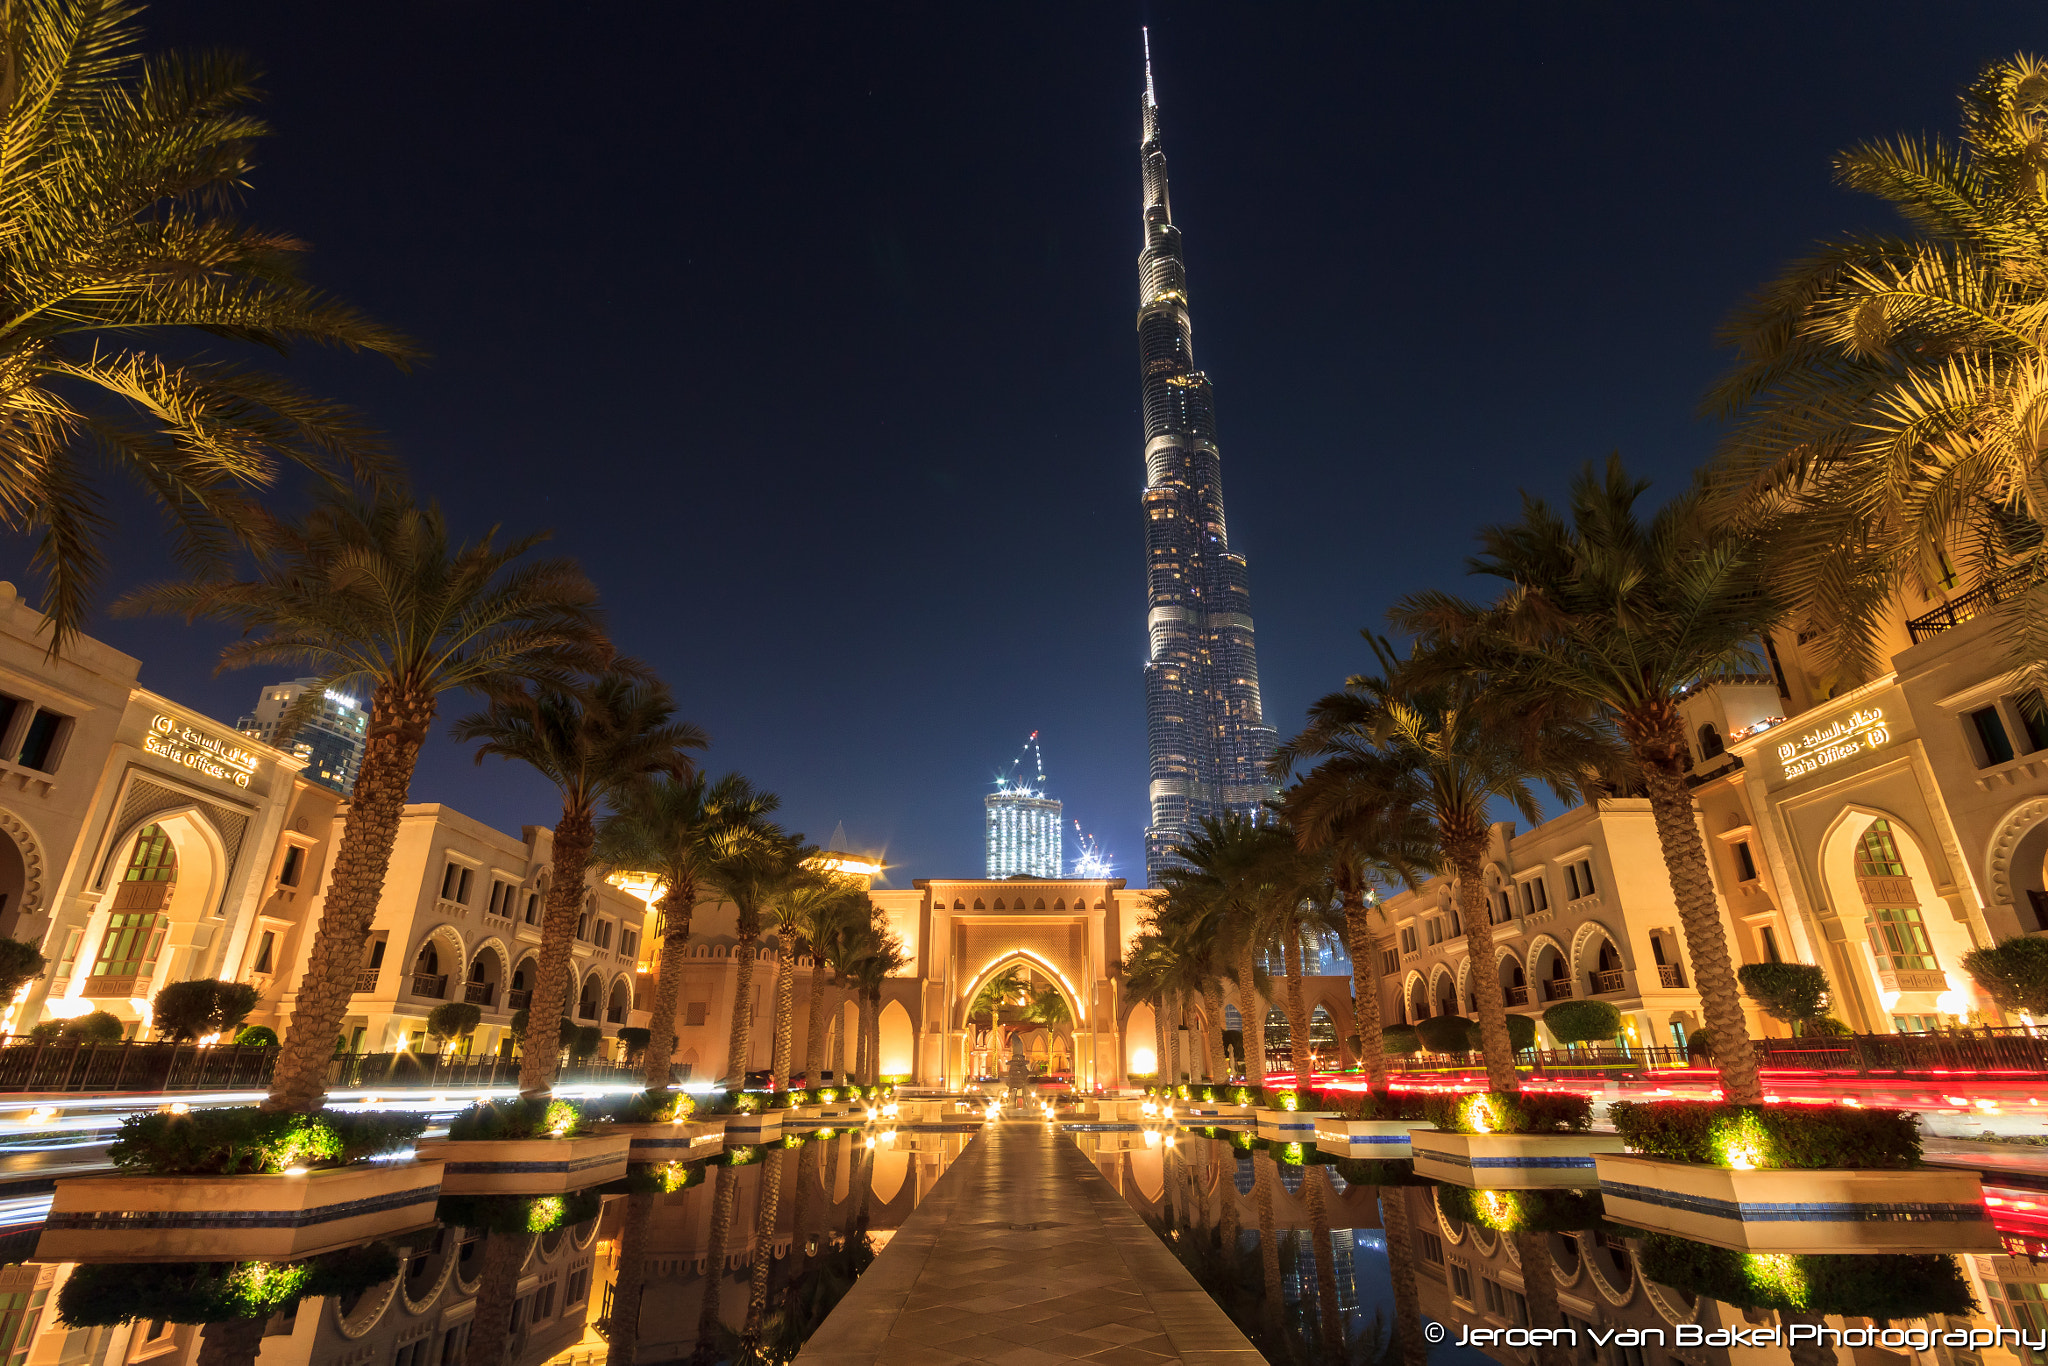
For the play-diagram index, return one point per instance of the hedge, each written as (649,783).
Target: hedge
(1792,992)
(1509,1112)
(1446,1034)
(2014,974)
(1400,1041)
(519,1213)
(1884,1285)
(1770,1136)
(101,1026)
(245,1140)
(1521,1033)
(532,1117)
(1373,1104)
(215,1292)
(1574,1022)
(641,1107)
(1379,1171)
(1522,1211)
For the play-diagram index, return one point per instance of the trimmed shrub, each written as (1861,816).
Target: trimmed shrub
(517,1027)
(1521,1033)
(634,1040)
(1373,1104)
(1792,992)
(257,1036)
(1885,1285)
(190,1010)
(215,1292)
(2013,973)
(1825,1027)
(49,1031)
(1509,1112)
(244,1139)
(1770,1136)
(1522,1211)
(1400,1040)
(517,1214)
(1447,1034)
(453,1019)
(725,1102)
(19,963)
(582,1041)
(1378,1171)
(1280,1098)
(1700,1045)
(1575,1022)
(529,1117)
(99,1027)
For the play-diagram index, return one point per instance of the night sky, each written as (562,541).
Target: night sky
(809,329)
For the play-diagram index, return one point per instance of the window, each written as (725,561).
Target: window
(1508,1304)
(583,926)
(1534,896)
(1745,862)
(1461,1282)
(1995,745)
(1433,930)
(1900,939)
(377,953)
(2022,1305)
(696,1013)
(1408,944)
(604,934)
(1503,909)
(69,958)
(2033,719)
(455,1344)
(1432,1247)
(1457,926)
(39,745)
(263,951)
(533,908)
(576,1288)
(497,901)
(288,875)
(544,1302)
(1657,949)
(462,888)
(1711,744)
(1897,935)
(1580,875)
(1390,962)
(1770,946)
(1678,1035)
(629,942)
(9,708)
(449,875)
(154,860)
(20,1313)
(131,943)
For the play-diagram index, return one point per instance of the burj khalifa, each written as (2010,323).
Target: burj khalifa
(1208,739)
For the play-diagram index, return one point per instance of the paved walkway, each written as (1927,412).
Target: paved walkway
(1022,1255)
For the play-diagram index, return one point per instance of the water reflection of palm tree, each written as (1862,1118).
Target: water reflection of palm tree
(764,1239)
(1265,1174)
(1539,1287)
(623,1323)
(1810,1353)
(491,1328)
(714,1258)
(231,1342)
(1401,1264)
(1332,1317)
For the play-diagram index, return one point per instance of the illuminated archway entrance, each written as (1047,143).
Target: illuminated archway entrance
(1020,996)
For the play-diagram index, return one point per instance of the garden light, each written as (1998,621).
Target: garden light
(295,1171)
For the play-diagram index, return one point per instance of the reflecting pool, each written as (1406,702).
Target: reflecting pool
(664,1266)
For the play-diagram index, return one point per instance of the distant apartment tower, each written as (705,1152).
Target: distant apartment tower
(330,740)
(1025,829)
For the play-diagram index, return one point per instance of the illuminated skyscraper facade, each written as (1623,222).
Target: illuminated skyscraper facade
(330,740)
(1206,729)
(1024,829)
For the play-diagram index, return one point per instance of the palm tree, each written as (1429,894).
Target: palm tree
(1303,905)
(1234,864)
(594,742)
(1366,850)
(1147,967)
(1392,742)
(881,956)
(747,873)
(373,596)
(808,899)
(1191,921)
(824,931)
(674,829)
(119,172)
(1888,387)
(1608,613)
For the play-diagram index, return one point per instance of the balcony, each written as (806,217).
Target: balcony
(480,993)
(1557,989)
(432,986)
(586,1010)
(366,980)
(1954,613)
(1668,975)
(129,986)
(519,998)
(617,1015)
(1517,996)
(1607,983)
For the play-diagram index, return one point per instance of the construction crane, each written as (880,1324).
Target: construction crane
(1014,779)
(1089,860)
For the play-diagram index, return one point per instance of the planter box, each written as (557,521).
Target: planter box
(1800,1211)
(1203,1112)
(1291,1126)
(671,1142)
(763,1126)
(530,1166)
(239,1218)
(1370,1138)
(1510,1161)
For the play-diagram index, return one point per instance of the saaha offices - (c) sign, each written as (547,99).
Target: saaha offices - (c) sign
(172,739)
(1838,740)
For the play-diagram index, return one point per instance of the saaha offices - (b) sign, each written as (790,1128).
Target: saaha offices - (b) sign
(1838,740)
(172,739)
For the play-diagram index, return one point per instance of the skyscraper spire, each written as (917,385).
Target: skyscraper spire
(1205,725)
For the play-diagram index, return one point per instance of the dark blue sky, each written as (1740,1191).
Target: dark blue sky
(808,328)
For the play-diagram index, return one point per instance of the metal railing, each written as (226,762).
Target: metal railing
(1989,594)
(2013,1052)
(519,998)
(1517,996)
(147,1067)
(431,985)
(1607,982)
(1557,989)
(480,993)
(366,980)
(614,1014)
(1668,975)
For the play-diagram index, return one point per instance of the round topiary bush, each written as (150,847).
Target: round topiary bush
(453,1019)
(1576,1022)
(257,1036)
(98,1027)
(1447,1034)
(1792,992)
(1521,1033)
(1400,1040)
(634,1040)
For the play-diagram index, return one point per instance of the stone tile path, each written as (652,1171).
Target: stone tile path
(1023,1255)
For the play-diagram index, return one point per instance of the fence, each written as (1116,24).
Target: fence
(2007,1050)
(58,1067)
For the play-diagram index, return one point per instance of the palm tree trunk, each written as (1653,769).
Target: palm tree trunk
(847,1068)
(742,1038)
(714,1256)
(785,1004)
(1539,1287)
(1811,1351)
(1401,1265)
(573,836)
(1252,1010)
(814,1043)
(668,982)
(1365,988)
(231,1342)
(1329,1313)
(871,1036)
(1464,855)
(764,1239)
(1212,1004)
(623,1326)
(491,1329)
(1297,1009)
(1159,1038)
(1265,1176)
(398,727)
(1692,887)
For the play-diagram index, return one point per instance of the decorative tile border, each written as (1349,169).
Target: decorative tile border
(1460,1160)
(1816,1211)
(580,1164)
(243,1219)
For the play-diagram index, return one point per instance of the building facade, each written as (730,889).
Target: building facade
(1025,833)
(1205,725)
(330,739)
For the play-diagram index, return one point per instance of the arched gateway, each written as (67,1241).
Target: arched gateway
(1069,934)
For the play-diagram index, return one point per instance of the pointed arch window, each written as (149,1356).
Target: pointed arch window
(1898,936)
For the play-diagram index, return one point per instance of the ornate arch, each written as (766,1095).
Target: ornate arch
(32,862)
(1442,971)
(2012,827)
(1541,942)
(494,942)
(1582,939)
(1029,959)
(447,933)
